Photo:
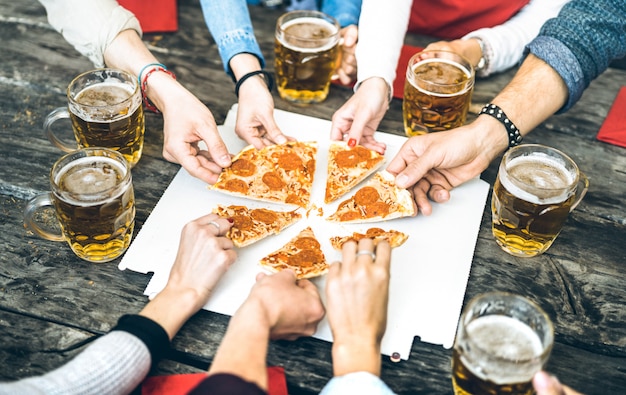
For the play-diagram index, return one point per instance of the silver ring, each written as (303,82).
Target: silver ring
(363,252)
(216,225)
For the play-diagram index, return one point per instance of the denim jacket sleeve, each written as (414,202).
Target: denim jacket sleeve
(346,12)
(230,25)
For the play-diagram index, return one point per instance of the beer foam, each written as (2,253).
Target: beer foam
(452,63)
(505,338)
(85,176)
(309,31)
(104,102)
(546,175)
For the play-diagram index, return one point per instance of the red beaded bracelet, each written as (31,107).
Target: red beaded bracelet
(144,86)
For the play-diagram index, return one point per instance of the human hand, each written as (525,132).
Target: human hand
(434,163)
(346,72)
(290,308)
(187,122)
(255,115)
(357,291)
(468,48)
(357,120)
(545,384)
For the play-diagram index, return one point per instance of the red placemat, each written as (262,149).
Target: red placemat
(613,129)
(155,15)
(180,384)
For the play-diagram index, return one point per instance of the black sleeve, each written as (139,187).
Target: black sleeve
(148,331)
(227,384)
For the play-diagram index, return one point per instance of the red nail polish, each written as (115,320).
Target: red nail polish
(231,220)
(351,143)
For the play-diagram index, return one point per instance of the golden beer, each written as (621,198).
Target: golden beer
(502,341)
(93,197)
(437,92)
(106,110)
(306,53)
(534,193)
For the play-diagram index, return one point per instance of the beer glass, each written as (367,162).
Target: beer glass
(106,110)
(502,340)
(92,196)
(306,53)
(437,92)
(535,190)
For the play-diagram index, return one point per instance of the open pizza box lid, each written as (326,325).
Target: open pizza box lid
(429,272)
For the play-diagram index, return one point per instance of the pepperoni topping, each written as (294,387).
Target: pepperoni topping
(236,185)
(373,232)
(350,158)
(366,196)
(306,243)
(273,180)
(378,209)
(293,198)
(306,258)
(242,222)
(243,168)
(310,166)
(349,216)
(289,161)
(263,215)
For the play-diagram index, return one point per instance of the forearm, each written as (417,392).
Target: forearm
(356,356)
(171,309)
(243,349)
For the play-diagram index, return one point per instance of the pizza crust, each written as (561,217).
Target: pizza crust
(395,238)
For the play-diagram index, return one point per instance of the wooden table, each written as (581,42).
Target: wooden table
(51,302)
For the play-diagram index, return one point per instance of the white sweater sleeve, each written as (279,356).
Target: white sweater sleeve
(113,364)
(504,44)
(382,27)
(90,25)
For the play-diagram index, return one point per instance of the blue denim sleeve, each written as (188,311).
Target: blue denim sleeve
(230,25)
(581,42)
(346,12)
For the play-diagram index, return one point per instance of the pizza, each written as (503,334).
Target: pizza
(347,167)
(395,238)
(302,254)
(251,225)
(378,200)
(278,173)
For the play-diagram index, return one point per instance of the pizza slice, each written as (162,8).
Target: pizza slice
(302,254)
(347,167)
(379,200)
(251,225)
(277,173)
(395,238)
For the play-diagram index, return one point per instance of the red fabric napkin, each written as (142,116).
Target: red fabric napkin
(179,384)
(405,55)
(613,129)
(155,15)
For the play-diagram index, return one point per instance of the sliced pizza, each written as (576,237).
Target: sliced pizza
(395,238)
(277,173)
(302,254)
(253,224)
(347,167)
(378,200)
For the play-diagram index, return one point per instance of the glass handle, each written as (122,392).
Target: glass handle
(581,189)
(55,115)
(34,206)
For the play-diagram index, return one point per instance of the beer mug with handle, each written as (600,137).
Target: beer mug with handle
(93,199)
(502,340)
(535,190)
(106,110)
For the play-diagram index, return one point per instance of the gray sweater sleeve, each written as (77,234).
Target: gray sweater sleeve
(113,364)
(581,42)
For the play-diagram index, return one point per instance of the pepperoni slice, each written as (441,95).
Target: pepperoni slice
(236,185)
(349,216)
(289,161)
(306,243)
(293,198)
(243,168)
(347,158)
(373,232)
(306,258)
(366,196)
(242,222)
(273,180)
(263,215)
(378,209)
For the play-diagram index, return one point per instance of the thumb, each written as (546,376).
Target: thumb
(545,384)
